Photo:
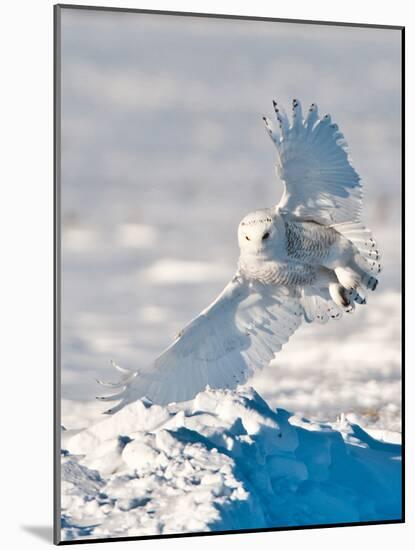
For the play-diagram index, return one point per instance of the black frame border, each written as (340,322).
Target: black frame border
(57,8)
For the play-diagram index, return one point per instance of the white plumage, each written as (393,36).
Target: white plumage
(320,184)
(308,258)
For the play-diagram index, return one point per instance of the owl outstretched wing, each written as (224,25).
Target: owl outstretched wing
(240,331)
(320,183)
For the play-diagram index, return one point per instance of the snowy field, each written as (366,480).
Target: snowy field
(163,152)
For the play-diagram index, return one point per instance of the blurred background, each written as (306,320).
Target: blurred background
(164,151)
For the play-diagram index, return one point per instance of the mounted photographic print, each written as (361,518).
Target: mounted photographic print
(228,274)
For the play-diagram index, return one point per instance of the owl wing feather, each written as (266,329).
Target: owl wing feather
(320,183)
(239,332)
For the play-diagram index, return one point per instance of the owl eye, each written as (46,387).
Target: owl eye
(265,236)
(247,238)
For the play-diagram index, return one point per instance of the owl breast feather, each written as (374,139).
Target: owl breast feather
(285,273)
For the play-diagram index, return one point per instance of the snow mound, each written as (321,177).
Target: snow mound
(222,461)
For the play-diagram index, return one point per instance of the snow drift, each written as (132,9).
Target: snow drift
(222,461)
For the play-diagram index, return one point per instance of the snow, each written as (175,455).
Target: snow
(223,461)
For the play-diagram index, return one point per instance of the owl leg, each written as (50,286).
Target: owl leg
(347,277)
(341,296)
(353,276)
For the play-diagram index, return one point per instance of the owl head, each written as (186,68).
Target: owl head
(258,232)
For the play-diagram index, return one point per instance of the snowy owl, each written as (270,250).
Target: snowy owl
(307,258)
